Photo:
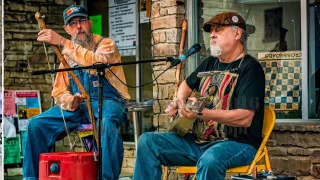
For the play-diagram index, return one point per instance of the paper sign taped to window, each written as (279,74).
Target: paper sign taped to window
(12,151)
(9,107)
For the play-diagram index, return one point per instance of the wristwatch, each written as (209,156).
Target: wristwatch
(199,114)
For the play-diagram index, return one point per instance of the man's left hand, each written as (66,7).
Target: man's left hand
(49,36)
(186,112)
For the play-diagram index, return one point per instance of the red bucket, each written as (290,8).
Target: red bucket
(68,166)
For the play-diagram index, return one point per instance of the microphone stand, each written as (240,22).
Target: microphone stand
(52,100)
(100,68)
(103,66)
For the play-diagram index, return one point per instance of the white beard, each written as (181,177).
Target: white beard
(215,49)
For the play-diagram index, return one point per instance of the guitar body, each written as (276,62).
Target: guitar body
(182,125)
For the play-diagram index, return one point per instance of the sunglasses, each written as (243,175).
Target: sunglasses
(75,22)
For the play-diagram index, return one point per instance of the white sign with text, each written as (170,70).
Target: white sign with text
(122,23)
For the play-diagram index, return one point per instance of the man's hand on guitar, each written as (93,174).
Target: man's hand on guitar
(187,111)
(171,110)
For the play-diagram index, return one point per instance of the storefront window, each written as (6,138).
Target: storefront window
(314,56)
(101,7)
(146,116)
(276,44)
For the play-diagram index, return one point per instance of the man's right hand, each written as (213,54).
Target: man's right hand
(77,99)
(171,110)
(50,36)
(70,102)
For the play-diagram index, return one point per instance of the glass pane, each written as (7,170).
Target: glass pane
(314,56)
(101,7)
(146,73)
(275,43)
(127,130)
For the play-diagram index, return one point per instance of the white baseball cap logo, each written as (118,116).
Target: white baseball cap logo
(73,9)
(235,19)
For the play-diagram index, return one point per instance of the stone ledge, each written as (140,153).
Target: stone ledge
(296,139)
(298,127)
(293,165)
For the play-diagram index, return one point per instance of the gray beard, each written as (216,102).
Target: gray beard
(86,43)
(215,50)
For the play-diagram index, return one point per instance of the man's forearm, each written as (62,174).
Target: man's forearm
(184,91)
(235,117)
(83,56)
(106,53)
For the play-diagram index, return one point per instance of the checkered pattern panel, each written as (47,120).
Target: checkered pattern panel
(283,84)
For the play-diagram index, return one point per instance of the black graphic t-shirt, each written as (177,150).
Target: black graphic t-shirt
(236,85)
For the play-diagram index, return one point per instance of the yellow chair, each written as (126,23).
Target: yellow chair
(268,124)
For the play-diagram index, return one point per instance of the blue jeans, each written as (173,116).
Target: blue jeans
(44,129)
(212,160)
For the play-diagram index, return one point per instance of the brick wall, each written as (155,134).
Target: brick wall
(167,16)
(22,53)
(295,149)
(129,159)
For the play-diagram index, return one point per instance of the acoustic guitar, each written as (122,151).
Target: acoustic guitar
(182,125)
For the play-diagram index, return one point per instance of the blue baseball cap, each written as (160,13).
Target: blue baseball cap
(74,11)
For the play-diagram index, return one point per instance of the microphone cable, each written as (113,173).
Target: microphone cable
(154,76)
(156,79)
(157,84)
(139,85)
(194,49)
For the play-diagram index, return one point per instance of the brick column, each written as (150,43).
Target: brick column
(167,16)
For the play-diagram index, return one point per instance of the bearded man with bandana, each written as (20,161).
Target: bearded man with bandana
(228,131)
(83,49)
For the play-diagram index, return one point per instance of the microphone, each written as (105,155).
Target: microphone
(194,49)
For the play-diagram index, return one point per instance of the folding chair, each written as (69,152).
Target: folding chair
(268,124)
(85,132)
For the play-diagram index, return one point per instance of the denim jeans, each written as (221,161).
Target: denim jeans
(48,127)
(212,160)
(44,129)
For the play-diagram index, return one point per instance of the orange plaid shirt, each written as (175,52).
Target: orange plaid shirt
(107,53)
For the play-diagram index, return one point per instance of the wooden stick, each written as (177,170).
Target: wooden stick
(74,77)
(181,51)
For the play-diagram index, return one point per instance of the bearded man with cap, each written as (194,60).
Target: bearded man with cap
(83,49)
(227,132)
